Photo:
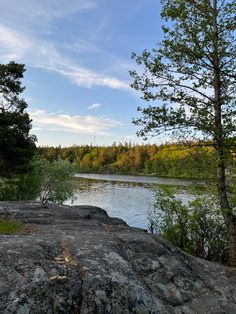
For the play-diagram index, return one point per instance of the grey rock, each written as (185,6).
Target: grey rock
(77,259)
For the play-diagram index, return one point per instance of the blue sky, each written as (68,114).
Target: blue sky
(77,55)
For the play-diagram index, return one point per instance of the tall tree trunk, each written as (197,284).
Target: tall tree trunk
(229,218)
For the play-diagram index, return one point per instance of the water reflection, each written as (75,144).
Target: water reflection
(138,179)
(129,200)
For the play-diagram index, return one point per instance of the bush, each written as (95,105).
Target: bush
(196,227)
(9,189)
(45,181)
(56,181)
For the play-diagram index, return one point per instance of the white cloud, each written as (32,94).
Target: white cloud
(84,77)
(94,106)
(73,123)
(43,54)
(13,44)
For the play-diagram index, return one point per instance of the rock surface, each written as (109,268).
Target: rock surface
(78,260)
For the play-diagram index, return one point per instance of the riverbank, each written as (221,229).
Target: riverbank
(79,260)
(142,179)
(149,175)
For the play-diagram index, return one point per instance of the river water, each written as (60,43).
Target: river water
(126,197)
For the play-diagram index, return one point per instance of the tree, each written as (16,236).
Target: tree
(192,74)
(16,145)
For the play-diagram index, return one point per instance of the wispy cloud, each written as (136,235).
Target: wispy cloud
(72,123)
(13,44)
(30,10)
(84,77)
(94,106)
(43,54)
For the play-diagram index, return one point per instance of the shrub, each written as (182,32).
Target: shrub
(197,227)
(56,181)
(45,181)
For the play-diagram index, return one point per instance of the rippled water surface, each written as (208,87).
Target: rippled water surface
(126,197)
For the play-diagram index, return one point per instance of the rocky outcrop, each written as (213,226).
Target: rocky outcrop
(78,260)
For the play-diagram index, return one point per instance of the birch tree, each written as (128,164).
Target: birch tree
(191,75)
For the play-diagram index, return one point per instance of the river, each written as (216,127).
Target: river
(126,197)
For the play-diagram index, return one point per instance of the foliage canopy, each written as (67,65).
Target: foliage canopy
(193,73)
(16,144)
(180,72)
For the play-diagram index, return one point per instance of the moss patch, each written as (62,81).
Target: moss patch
(11,226)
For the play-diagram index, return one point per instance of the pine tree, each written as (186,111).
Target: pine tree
(16,144)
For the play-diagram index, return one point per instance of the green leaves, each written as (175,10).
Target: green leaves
(45,181)
(179,72)
(196,226)
(52,181)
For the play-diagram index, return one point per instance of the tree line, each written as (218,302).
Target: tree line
(168,160)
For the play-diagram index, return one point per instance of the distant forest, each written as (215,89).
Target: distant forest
(168,160)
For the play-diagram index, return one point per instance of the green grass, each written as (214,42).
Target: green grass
(10,226)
